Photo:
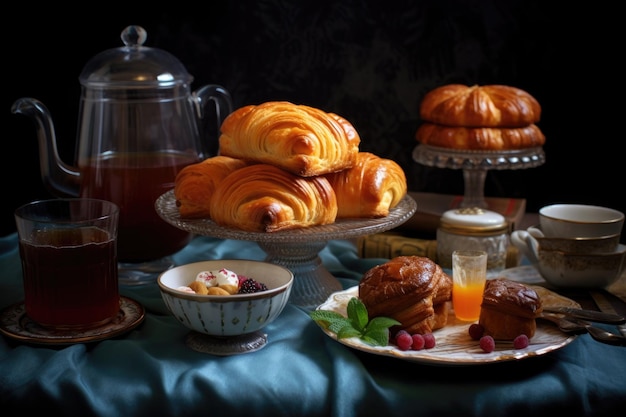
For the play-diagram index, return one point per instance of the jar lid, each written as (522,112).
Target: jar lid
(473,221)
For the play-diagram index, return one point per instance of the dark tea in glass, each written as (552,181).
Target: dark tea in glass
(68,252)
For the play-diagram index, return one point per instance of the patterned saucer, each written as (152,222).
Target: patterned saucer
(15,324)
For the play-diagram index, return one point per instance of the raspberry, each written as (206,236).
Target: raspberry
(487,344)
(429,340)
(250,286)
(404,340)
(418,342)
(242,278)
(521,341)
(476,331)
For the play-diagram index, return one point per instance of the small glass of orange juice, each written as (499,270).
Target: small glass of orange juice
(469,273)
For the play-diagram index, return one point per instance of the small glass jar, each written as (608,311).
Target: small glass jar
(473,228)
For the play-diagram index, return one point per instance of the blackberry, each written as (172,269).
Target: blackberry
(476,331)
(249,286)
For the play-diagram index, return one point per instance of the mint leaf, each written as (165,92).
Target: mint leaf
(376,337)
(377,331)
(330,320)
(374,332)
(381,323)
(357,313)
(337,325)
(348,331)
(326,316)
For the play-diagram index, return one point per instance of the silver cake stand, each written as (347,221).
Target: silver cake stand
(475,165)
(298,249)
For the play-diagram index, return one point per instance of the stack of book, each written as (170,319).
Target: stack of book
(431,206)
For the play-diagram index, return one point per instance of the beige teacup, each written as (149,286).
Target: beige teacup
(580,220)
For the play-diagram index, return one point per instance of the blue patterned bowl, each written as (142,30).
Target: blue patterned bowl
(227,315)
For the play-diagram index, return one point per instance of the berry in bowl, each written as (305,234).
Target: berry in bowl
(226,303)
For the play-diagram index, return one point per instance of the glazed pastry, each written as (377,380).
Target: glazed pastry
(370,188)
(195,184)
(265,198)
(480,118)
(482,138)
(300,139)
(480,106)
(413,290)
(509,308)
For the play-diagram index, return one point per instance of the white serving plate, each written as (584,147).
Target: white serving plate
(454,346)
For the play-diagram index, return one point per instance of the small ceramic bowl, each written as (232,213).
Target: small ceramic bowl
(570,270)
(227,315)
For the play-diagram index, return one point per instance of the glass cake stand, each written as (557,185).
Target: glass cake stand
(475,165)
(297,249)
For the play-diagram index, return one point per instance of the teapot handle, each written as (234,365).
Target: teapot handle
(223,106)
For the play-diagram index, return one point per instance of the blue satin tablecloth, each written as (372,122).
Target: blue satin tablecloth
(149,371)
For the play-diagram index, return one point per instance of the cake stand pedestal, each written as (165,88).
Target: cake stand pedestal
(297,249)
(475,165)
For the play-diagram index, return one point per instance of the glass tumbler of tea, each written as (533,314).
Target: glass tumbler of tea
(68,251)
(469,274)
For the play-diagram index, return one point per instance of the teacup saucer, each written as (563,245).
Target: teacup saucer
(15,324)
(527,274)
(225,346)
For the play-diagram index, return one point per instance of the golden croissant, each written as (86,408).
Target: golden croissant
(300,139)
(195,184)
(266,198)
(369,189)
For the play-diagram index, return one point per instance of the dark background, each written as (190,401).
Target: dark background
(370,62)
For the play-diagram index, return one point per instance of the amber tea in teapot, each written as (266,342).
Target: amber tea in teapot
(134,183)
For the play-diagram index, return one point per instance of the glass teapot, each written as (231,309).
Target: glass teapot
(139,124)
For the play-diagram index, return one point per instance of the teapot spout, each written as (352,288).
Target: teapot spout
(60,179)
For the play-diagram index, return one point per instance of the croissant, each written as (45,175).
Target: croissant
(413,290)
(300,139)
(266,198)
(370,188)
(485,138)
(195,184)
(480,106)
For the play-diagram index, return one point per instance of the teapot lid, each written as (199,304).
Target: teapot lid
(134,65)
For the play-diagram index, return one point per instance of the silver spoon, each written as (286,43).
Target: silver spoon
(602,335)
(571,325)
